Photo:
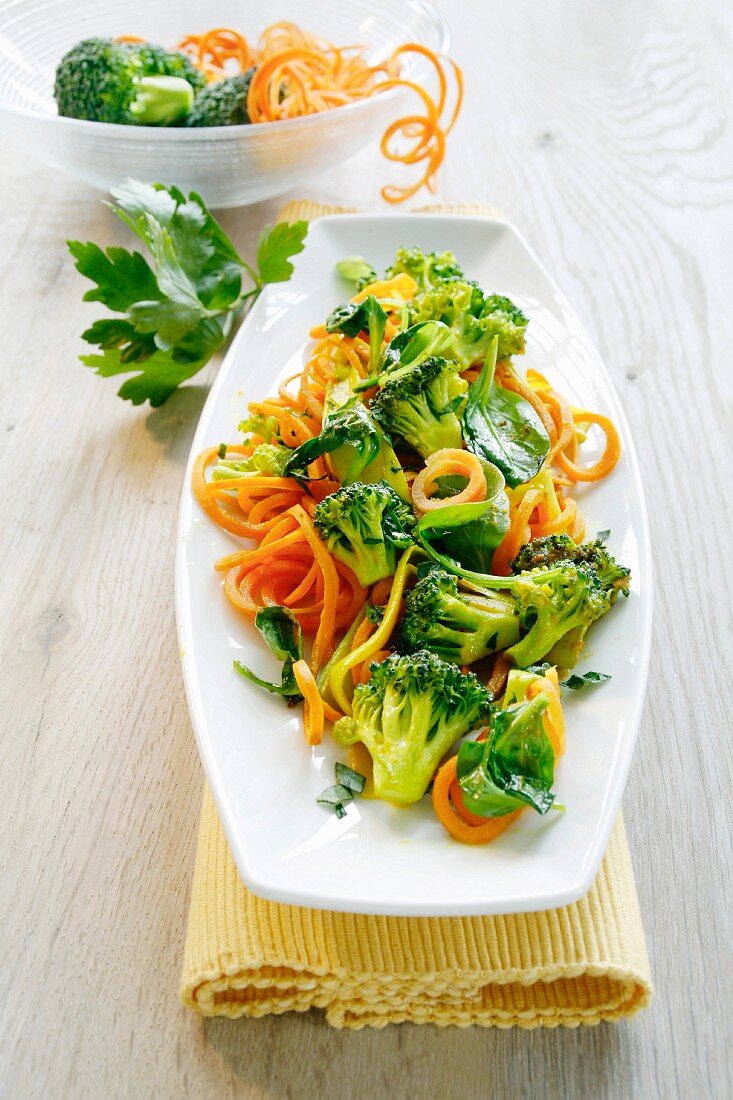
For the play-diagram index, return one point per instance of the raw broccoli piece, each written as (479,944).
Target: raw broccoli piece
(365,526)
(264,426)
(421,405)
(138,85)
(408,715)
(223,102)
(555,605)
(550,549)
(267,458)
(461,627)
(157,61)
(428,269)
(611,578)
(473,319)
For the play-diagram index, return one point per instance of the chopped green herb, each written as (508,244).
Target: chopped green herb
(575,682)
(335,796)
(348,783)
(222,450)
(280,629)
(604,536)
(349,778)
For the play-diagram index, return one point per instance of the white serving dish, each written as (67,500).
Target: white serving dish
(228,165)
(380,859)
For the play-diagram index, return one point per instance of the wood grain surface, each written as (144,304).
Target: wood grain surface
(604,131)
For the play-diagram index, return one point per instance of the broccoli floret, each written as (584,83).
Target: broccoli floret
(593,557)
(428,269)
(222,103)
(555,605)
(421,405)
(142,85)
(408,715)
(549,549)
(461,627)
(365,526)
(267,458)
(473,319)
(157,61)
(264,426)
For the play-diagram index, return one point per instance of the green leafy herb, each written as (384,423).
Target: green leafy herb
(587,679)
(180,309)
(355,781)
(514,767)
(275,247)
(280,629)
(355,269)
(222,452)
(501,427)
(348,783)
(335,796)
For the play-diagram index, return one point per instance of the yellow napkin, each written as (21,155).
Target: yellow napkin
(244,956)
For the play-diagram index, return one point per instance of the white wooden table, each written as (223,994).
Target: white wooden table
(603,130)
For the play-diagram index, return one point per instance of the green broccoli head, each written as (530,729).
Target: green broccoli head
(473,319)
(550,549)
(461,627)
(222,103)
(421,405)
(157,61)
(365,526)
(266,458)
(408,715)
(556,607)
(428,269)
(143,85)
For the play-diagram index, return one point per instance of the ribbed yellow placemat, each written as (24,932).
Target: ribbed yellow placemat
(578,965)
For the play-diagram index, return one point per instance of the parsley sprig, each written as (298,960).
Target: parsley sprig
(178,309)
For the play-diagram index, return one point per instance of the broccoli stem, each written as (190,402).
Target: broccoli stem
(161,100)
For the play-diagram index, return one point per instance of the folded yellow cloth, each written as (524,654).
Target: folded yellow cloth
(244,956)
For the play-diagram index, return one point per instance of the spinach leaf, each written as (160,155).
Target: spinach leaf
(501,427)
(464,536)
(414,345)
(356,317)
(349,427)
(282,633)
(514,767)
(473,544)
(587,679)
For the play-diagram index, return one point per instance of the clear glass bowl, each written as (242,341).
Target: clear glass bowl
(228,165)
